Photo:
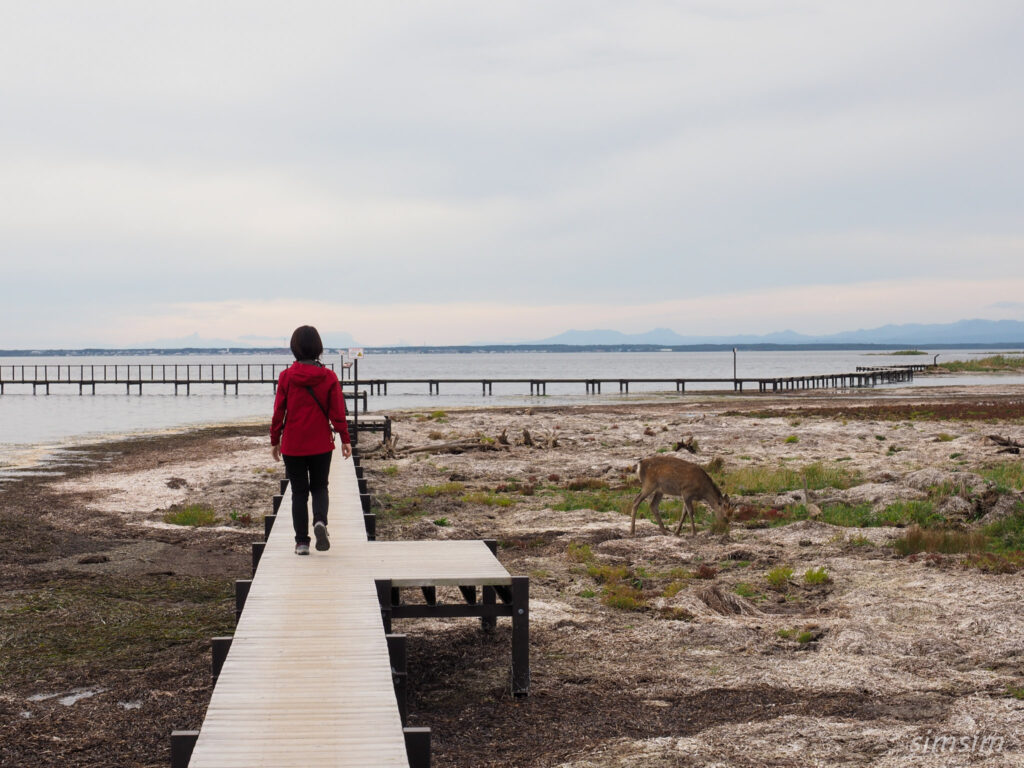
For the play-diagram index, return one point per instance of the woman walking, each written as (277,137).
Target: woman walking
(308,409)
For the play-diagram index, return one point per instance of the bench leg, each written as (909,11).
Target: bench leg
(488,623)
(520,635)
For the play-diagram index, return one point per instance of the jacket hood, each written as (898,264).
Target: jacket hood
(304,375)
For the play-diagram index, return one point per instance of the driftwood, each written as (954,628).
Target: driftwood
(457,446)
(1009,444)
(689,444)
(386,449)
(726,603)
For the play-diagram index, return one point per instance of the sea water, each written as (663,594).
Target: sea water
(32,426)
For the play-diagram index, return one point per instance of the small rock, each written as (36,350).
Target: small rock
(93,559)
(805,542)
(177,482)
(955,508)
(1005,507)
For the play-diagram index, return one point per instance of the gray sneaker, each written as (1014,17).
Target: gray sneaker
(302,549)
(322,542)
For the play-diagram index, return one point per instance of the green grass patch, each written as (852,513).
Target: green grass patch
(488,499)
(1006,476)
(391,470)
(792,439)
(985,364)
(913,512)
(598,499)
(607,574)
(579,553)
(917,540)
(759,479)
(442,522)
(588,593)
(744,589)
(444,489)
(815,576)
(906,352)
(1007,535)
(623,597)
(387,506)
(779,576)
(673,588)
(193,515)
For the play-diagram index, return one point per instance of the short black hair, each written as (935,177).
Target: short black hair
(306,344)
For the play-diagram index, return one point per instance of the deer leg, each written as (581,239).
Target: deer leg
(693,521)
(636,505)
(687,510)
(655,501)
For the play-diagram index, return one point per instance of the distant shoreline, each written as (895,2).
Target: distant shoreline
(508,348)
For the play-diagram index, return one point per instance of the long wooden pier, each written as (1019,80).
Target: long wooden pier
(313,676)
(539,386)
(130,376)
(184,377)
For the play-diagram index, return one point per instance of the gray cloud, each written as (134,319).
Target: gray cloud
(530,153)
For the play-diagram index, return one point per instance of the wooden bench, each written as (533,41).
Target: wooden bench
(312,674)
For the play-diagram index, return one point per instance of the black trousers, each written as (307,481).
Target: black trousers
(307,476)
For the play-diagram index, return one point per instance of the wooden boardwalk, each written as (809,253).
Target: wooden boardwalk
(309,680)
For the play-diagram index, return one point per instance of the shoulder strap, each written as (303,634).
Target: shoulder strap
(317,400)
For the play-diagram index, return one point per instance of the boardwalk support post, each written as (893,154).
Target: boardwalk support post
(277,502)
(241,593)
(219,647)
(384,598)
(397,651)
(417,747)
(268,525)
(182,744)
(257,553)
(520,635)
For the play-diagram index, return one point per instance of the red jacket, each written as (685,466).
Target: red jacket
(306,431)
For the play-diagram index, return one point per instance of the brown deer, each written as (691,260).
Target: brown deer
(661,475)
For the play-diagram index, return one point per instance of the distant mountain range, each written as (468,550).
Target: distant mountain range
(965,333)
(961,332)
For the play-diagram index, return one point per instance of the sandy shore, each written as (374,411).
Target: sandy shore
(647,651)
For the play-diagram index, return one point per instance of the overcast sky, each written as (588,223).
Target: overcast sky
(452,172)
